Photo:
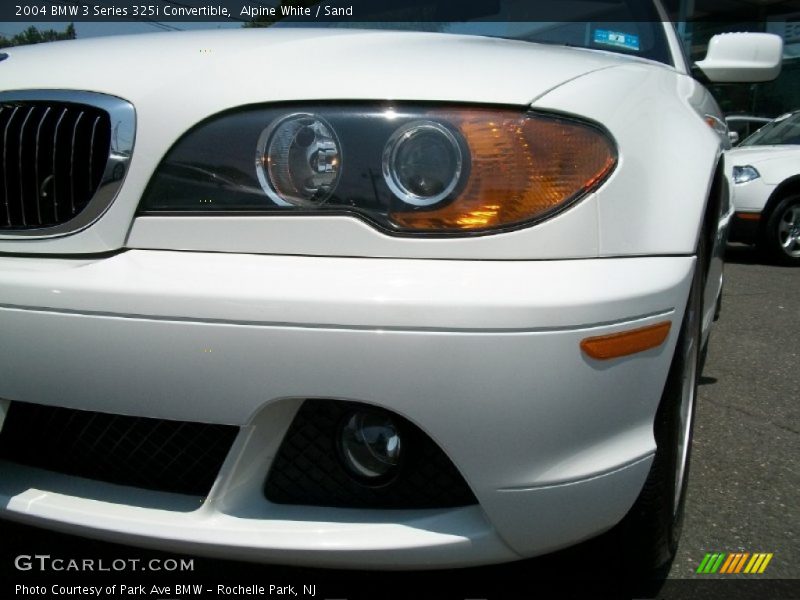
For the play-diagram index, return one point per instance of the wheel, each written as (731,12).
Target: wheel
(650,531)
(781,238)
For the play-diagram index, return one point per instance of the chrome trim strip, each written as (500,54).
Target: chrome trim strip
(72,162)
(19,163)
(122,117)
(36,164)
(5,162)
(55,162)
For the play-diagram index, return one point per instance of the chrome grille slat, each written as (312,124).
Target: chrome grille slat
(91,148)
(72,162)
(36,159)
(60,167)
(54,174)
(19,166)
(5,163)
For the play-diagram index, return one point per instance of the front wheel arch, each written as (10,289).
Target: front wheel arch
(774,226)
(787,187)
(649,532)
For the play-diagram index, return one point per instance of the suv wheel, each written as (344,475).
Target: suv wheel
(782,232)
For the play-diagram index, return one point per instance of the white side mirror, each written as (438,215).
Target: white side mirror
(733,136)
(743,58)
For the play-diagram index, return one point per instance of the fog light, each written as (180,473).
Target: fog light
(422,163)
(298,160)
(370,445)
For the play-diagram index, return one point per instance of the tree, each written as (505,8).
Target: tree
(32,35)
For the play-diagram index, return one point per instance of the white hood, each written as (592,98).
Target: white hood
(224,68)
(752,155)
(175,80)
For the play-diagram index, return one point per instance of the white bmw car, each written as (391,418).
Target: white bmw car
(765,171)
(339,297)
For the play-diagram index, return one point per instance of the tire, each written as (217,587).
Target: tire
(781,236)
(650,532)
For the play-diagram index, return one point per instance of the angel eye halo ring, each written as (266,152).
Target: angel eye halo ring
(298,160)
(422,163)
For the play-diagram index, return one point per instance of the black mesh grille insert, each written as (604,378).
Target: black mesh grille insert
(307,469)
(170,456)
(52,161)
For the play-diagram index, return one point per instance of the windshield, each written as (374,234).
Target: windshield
(783,130)
(629,27)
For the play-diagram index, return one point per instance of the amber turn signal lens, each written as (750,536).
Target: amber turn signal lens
(624,343)
(523,167)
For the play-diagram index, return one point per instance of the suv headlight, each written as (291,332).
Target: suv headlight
(745,174)
(407,169)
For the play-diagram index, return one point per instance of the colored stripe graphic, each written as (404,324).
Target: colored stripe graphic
(724,563)
(766,562)
(729,563)
(711,562)
(734,563)
(741,562)
(758,563)
(703,563)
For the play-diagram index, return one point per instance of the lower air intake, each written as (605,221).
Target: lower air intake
(169,456)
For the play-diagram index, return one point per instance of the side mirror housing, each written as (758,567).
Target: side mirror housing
(733,136)
(743,58)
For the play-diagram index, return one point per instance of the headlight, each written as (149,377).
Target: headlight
(297,160)
(745,174)
(422,163)
(406,169)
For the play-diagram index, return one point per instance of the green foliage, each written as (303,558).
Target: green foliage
(32,35)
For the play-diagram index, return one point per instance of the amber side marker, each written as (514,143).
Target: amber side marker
(749,216)
(624,343)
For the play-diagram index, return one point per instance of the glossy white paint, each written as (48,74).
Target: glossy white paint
(178,305)
(173,85)
(328,538)
(654,202)
(643,208)
(309,535)
(179,91)
(236,320)
(743,57)
(171,334)
(775,164)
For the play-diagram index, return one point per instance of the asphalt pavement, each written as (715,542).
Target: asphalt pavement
(742,495)
(744,488)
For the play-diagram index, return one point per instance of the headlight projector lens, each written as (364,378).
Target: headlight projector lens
(422,163)
(370,445)
(298,160)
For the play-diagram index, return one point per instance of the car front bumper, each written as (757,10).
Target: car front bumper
(483,356)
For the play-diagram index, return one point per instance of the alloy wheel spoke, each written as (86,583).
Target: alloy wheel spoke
(789,231)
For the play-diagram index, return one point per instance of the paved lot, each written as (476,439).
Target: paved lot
(745,480)
(743,494)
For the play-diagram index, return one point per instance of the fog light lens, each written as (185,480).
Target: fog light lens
(422,163)
(370,445)
(298,160)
